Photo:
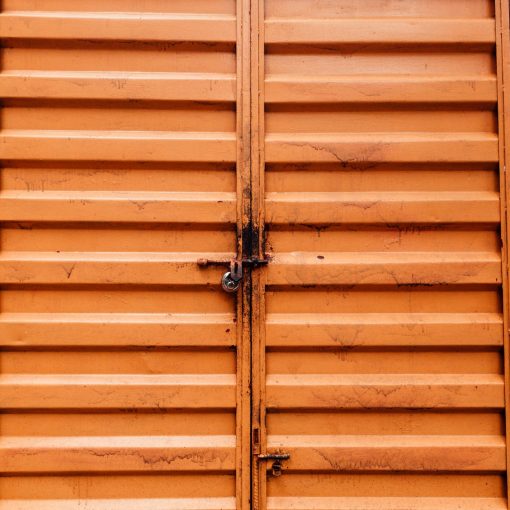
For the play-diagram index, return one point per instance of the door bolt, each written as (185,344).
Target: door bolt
(231,280)
(276,468)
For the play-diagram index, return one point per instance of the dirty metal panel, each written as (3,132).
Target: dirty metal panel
(119,150)
(384,320)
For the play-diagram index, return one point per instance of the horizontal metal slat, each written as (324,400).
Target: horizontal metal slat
(123,504)
(160,146)
(118,207)
(380,89)
(382,207)
(385,503)
(392,453)
(130,268)
(380,31)
(149,268)
(116,330)
(107,454)
(117,86)
(373,268)
(109,26)
(126,391)
(384,330)
(362,148)
(410,391)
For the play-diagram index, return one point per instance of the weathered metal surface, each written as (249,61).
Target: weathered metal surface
(352,155)
(381,361)
(121,156)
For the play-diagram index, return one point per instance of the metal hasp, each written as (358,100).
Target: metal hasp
(231,280)
(276,468)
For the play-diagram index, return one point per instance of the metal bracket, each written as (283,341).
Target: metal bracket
(254,262)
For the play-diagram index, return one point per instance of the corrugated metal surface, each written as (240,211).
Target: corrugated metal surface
(384,320)
(119,157)
(383,331)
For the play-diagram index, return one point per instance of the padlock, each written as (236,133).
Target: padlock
(228,283)
(276,469)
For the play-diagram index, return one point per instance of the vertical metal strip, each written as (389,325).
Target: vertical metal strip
(243,432)
(258,289)
(503,72)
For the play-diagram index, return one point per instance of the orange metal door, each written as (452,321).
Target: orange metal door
(380,351)
(121,363)
(360,145)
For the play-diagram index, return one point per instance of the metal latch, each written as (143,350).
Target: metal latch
(231,280)
(276,468)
